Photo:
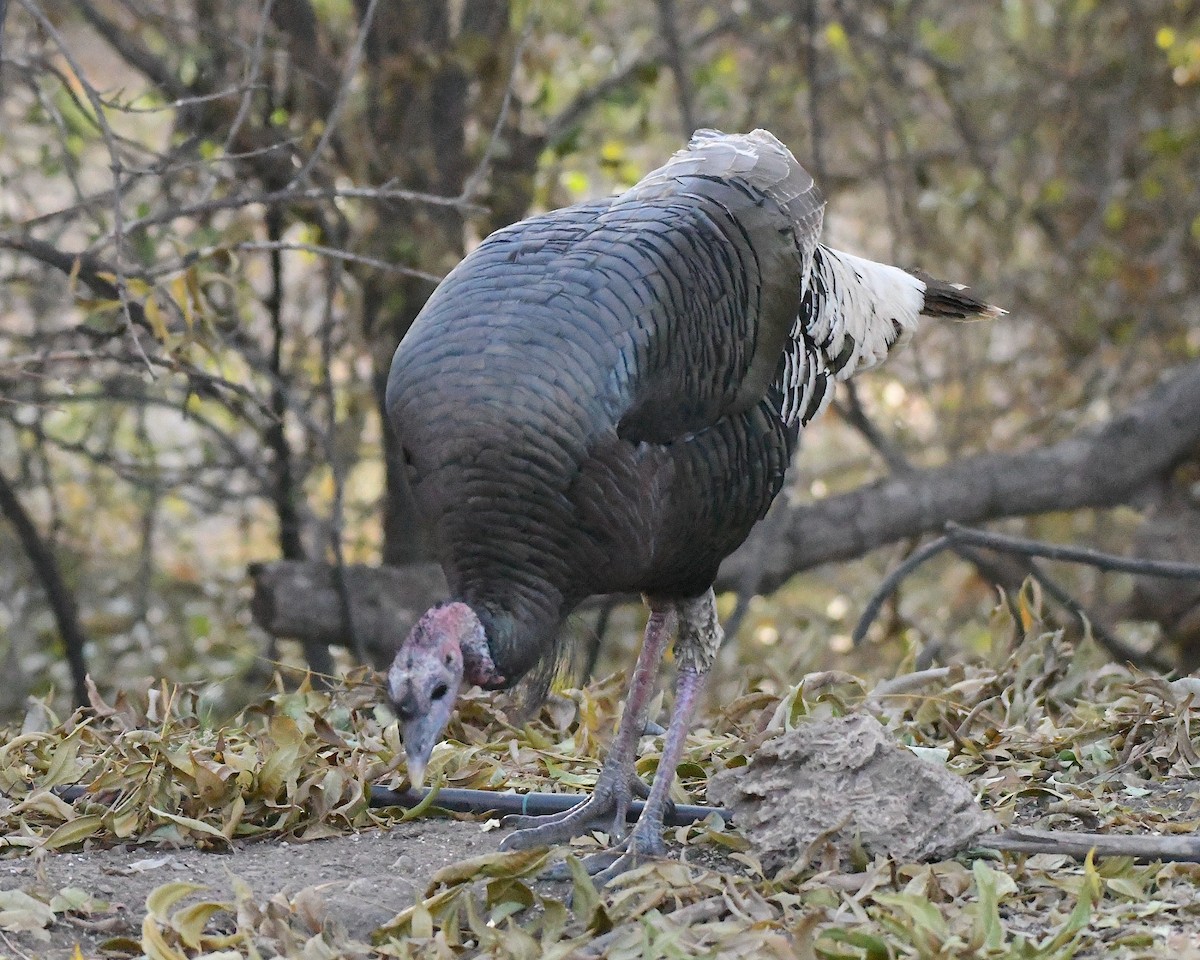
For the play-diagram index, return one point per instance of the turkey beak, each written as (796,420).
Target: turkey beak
(420,735)
(424,705)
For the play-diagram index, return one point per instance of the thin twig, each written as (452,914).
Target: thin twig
(133,51)
(247,99)
(907,683)
(892,581)
(1169,569)
(816,130)
(115,166)
(292,195)
(1105,637)
(3,13)
(343,94)
(336,511)
(485,162)
(58,594)
(560,126)
(956,534)
(853,413)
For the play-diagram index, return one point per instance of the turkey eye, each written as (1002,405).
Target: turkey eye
(449,659)
(438,692)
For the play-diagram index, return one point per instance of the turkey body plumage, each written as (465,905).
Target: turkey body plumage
(605,398)
(585,403)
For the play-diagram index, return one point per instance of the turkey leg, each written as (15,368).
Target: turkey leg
(614,788)
(699,640)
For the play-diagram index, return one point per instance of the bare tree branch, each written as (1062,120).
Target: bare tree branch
(955,535)
(560,126)
(349,71)
(134,52)
(471,185)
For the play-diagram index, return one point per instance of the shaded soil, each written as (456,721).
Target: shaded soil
(362,880)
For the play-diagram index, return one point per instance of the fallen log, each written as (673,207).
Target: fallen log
(299,599)
(1101,466)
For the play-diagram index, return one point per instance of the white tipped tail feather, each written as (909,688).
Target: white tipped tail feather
(852,312)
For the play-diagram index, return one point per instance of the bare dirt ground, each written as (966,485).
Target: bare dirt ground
(362,880)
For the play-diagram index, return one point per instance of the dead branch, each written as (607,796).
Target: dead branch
(633,73)
(668,25)
(300,600)
(1183,849)
(1001,574)
(1099,467)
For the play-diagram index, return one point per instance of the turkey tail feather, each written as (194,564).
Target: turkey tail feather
(852,313)
(953,300)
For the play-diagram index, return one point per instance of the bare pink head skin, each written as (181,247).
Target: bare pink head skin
(446,646)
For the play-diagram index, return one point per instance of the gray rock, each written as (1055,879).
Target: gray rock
(846,782)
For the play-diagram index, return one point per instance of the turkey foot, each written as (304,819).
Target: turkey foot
(614,789)
(605,809)
(645,842)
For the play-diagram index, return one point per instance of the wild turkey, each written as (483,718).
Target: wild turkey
(604,399)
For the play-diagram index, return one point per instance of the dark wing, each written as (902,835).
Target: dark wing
(723,234)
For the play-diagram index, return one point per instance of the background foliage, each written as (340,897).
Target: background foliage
(218,218)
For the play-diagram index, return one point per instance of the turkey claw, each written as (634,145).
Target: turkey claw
(603,810)
(640,846)
(593,864)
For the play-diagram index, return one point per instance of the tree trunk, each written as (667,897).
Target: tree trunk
(58,594)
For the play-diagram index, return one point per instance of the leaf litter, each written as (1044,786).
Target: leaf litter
(1044,731)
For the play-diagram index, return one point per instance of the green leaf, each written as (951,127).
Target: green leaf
(73,832)
(21,912)
(987,919)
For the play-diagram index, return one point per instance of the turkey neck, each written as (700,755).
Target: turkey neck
(521,627)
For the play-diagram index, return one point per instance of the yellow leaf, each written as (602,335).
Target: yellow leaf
(422,922)
(197,826)
(189,922)
(209,784)
(154,317)
(62,764)
(515,863)
(835,36)
(19,911)
(126,822)
(162,898)
(155,945)
(45,803)
(179,291)
(236,810)
(419,916)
